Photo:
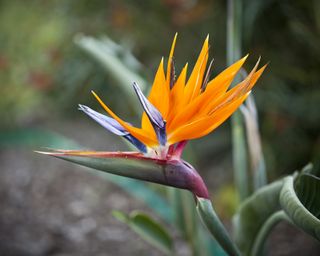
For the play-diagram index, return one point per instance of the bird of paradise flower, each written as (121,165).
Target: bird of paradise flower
(176,111)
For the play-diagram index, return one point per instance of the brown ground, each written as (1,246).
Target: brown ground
(50,207)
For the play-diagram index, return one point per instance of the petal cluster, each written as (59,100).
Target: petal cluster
(179,109)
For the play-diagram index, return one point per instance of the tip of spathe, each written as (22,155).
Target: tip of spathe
(39,152)
(49,152)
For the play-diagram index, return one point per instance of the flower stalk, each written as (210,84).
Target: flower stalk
(234,39)
(215,226)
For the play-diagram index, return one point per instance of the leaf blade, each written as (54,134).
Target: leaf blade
(299,213)
(148,229)
(258,207)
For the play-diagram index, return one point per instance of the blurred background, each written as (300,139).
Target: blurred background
(48,207)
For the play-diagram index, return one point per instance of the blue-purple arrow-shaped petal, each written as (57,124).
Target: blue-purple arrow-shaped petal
(154,115)
(113,126)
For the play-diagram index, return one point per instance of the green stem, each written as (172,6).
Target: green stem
(239,154)
(272,221)
(215,226)
(234,24)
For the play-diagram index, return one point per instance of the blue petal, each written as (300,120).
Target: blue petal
(154,115)
(137,143)
(107,122)
(113,126)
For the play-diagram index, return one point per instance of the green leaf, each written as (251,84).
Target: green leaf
(296,202)
(149,229)
(185,216)
(107,53)
(184,210)
(301,202)
(308,191)
(253,213)
(240,154)
(144,192)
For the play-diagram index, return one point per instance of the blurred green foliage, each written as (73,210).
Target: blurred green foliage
(42,71)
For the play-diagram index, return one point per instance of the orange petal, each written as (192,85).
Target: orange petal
(146,125)
(203,126)
(140,134)
(159,94)
(214,90)
(184,114)
(237,91)
(176,94)
(222,81)
(256,76)
(170,58)
(192,89)
(154,98)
